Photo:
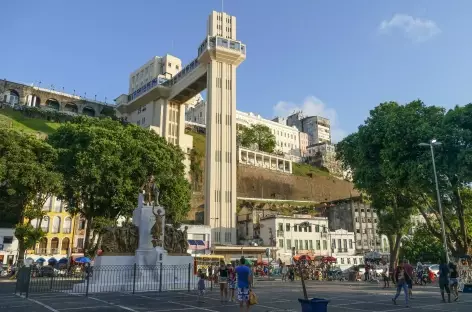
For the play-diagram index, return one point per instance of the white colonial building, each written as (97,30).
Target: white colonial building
(309,236)
(8,246)
(289,140)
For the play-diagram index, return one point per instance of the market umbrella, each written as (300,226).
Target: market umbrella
(329,259)
(52,260)
(40,260)
(82,260)
(63,260)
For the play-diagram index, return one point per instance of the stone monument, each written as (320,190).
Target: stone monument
(139,252)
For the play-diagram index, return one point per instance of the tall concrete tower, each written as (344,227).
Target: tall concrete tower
(222,54)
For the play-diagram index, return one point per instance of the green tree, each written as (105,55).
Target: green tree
(107,164)
(27,180)
(380,155)
(257,136)
(386,158)
(421,246)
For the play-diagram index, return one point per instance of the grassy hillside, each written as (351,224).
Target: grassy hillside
(304,170)
(15,119)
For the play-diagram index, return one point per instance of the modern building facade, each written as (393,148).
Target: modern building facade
(356,216)
(318,128)
(158,93)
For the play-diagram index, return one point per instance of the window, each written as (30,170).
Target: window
(169,64)
(348,260)
(317,228)
(309,228)
(305,230)
(281,227)
(80,243)
(82,224)
(311,244)
(339,243)
(7,240)
(306,244)
(289,244)
(296,244)
(177,67)
(358,231)
(325,245)
(350,243)
(355,260)
(342,260)
(295,228)
(287,227)
(318,244)
(281,243)
(333,244)
(345,243)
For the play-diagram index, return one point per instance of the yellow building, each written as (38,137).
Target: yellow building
(59,227)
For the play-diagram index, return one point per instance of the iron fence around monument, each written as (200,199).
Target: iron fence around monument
(109,278)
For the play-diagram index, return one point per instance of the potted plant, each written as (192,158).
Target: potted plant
(313,304)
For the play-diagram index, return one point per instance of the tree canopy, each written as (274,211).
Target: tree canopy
(396,173)
(108,163)
(257,136)
(27,180)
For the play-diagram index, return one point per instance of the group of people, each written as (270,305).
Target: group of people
(448,280)
(231,279)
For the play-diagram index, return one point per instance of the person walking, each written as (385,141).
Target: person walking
(444,280)
(385,278)
(401,281)
(231,281)
(454,281)
(223,281)
(409,271)
(284,272)
(244,275)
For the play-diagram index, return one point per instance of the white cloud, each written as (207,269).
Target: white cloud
(312,106)
(415,29)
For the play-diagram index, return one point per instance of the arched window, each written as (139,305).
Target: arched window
(45,224)
(88,111)
(53,103)
(56,224)
(33,100)
(11,96)
(34,223)
(55,246)
(65,245)
(67,228)
(43,245)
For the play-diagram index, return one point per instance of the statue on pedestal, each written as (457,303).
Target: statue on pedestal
(157,228)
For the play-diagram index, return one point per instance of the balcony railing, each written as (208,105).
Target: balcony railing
(54,251)
(41,251)
(45,229)
(66,231)
(55,230)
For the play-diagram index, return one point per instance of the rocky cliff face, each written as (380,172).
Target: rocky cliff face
(255,182)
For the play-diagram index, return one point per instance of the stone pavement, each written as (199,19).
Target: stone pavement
(273,296)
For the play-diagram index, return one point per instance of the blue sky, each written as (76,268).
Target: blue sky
(334,58)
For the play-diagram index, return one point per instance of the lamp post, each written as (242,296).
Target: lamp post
(431,145)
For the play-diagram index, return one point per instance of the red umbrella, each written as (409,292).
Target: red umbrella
(329,259)
(305,257)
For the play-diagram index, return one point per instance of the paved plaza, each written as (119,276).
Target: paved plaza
(273,296)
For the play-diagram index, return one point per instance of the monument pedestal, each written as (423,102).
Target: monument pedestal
(149,269)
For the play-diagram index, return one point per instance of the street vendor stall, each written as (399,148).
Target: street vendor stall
(464,267)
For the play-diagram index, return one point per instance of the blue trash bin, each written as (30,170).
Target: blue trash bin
(314,305)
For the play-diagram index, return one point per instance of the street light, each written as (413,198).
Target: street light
(431,145)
